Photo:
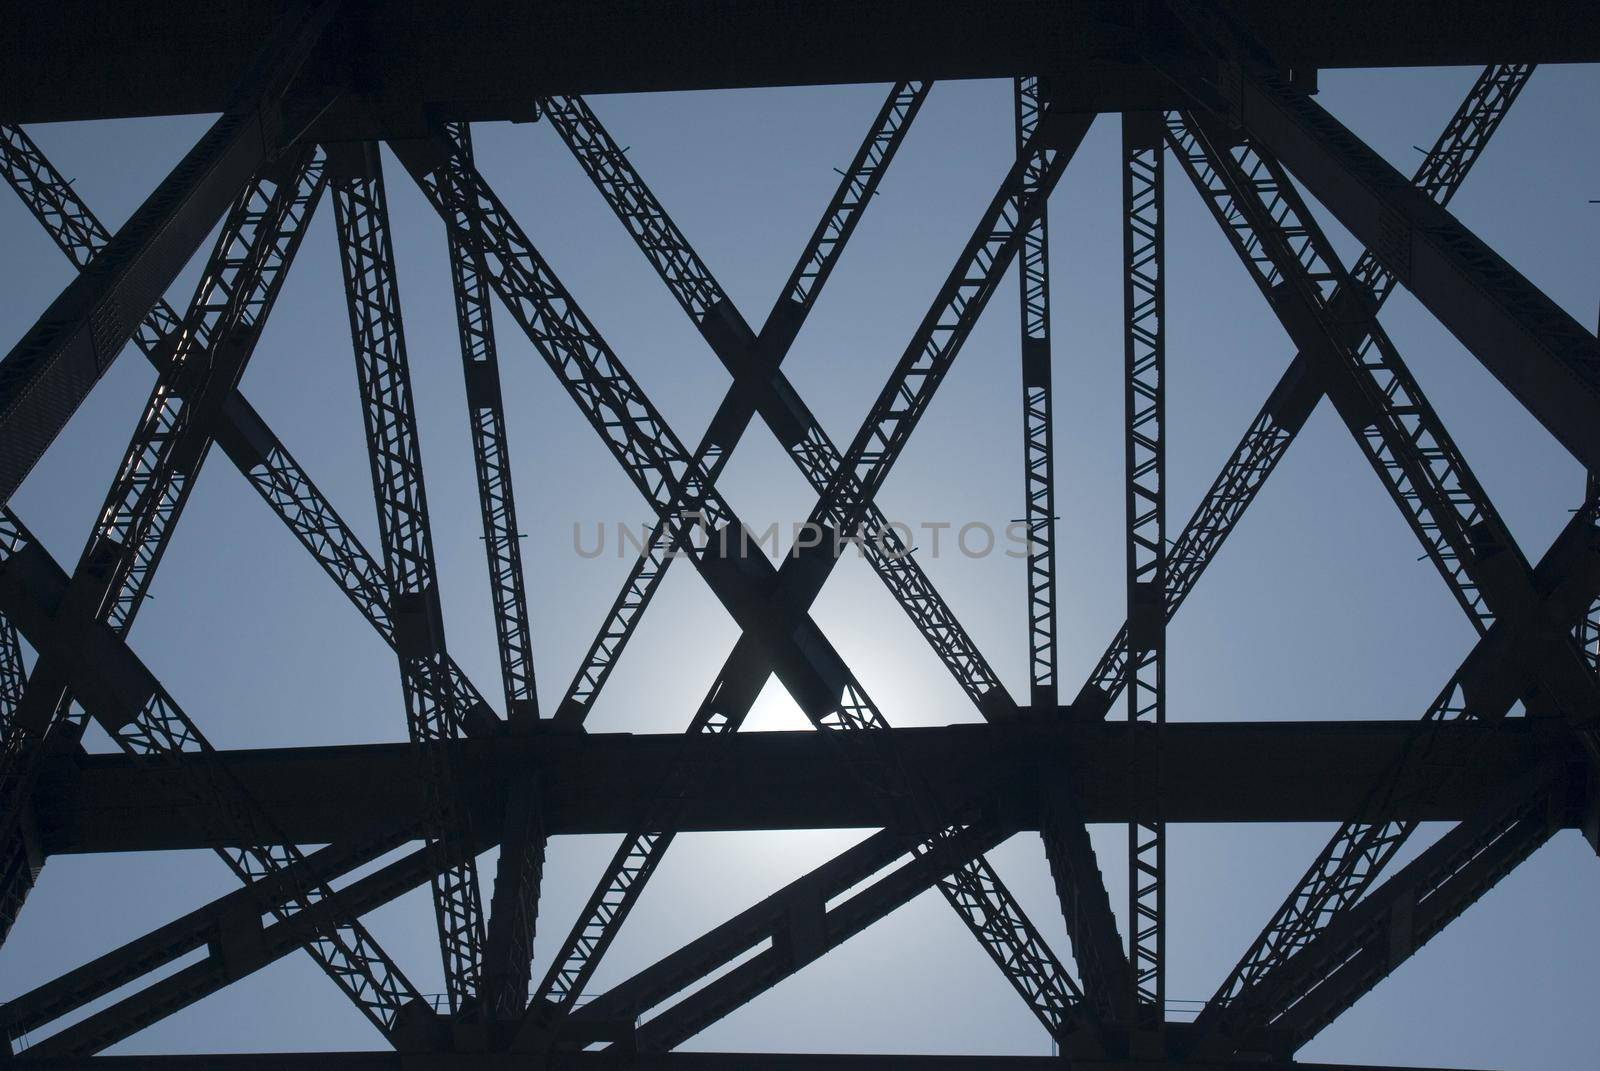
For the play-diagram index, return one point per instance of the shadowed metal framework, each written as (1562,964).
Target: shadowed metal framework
(1223,91)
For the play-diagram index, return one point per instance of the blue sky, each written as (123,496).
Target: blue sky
(1317,608)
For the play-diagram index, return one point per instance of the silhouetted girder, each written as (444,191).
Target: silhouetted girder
(1405,442)
(119,692)
(1144,350)
(235,296)
(666,1061)
(342,794)
(1291,401)
(49,372)
(239,429)
(491,458)
(650,453)
(377,331)
(1508,663)
(746,583)
(494,61)
(222,927)
(1366,943)
(596,784)
(1544,357)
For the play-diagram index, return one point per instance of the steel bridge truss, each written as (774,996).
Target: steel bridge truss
(1204,95)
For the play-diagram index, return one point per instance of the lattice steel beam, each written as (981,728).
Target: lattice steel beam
(1297,270)
(377,331)
(1085,905)
(1033,295)
(1537,351)
(50,371)
(706,303)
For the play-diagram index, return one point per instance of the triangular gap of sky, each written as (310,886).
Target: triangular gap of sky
(1317,607)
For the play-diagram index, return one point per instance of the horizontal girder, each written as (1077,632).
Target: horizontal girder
(671,1061)
(91,59)
(1280,771)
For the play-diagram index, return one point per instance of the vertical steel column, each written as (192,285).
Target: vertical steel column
(1033,291)
(1144,351)
(367,258)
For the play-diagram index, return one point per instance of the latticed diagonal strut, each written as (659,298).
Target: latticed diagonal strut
(388,414)
(658,465)
(1407,446)
(636,858)
(1457,148)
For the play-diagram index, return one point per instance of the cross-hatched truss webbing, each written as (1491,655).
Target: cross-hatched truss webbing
(372,293)
(1404,440)
(1269,435)
(656,462)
